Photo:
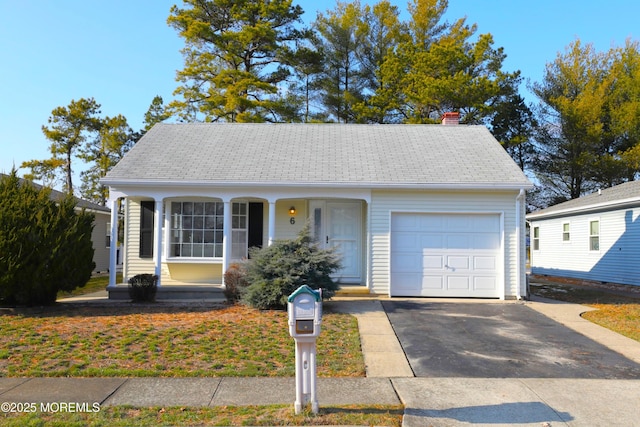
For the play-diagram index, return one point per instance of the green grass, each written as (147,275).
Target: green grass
(619,313)
(273,415)
(153,340)
(95,284)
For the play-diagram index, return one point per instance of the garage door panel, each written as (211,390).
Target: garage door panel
(404,241)
(458,223)
(430,241)
(458,241)
(408,262)
(432,282)
(484,263)
(489,241)
(458,283)
(430,223)
(407,284)
(458,262)
(487,223)
(433,262)
(485,283)
(445,255)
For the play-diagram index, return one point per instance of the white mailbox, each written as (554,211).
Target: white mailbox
(305,312)
(305,318)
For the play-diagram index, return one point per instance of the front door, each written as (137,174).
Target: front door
(339,225)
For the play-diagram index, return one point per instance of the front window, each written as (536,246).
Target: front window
(196,229)
(536,238)
(594,235)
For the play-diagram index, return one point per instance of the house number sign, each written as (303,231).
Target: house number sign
(292,220)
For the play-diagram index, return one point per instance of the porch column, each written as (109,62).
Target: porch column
(272,221)
(113,244)
(157,232)
(226,238)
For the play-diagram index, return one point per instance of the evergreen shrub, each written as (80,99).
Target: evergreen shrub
(45,245)
(276,271)
(143,287)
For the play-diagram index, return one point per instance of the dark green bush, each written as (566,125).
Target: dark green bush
(274,272)
(235,282)
(143,287)
(45,245)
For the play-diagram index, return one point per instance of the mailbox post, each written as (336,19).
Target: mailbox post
(305,317)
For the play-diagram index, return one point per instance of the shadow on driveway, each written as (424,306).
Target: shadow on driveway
(477,340)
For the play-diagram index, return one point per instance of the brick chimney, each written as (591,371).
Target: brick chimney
(451,118)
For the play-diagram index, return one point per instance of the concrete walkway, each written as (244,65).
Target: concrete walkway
(428,401)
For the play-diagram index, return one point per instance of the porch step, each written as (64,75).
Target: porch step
(353,291)
(182,292)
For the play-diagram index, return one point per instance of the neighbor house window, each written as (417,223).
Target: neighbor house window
(594,235)
(536,238)
(108,236)
(565,232)
(196,229)
(146,228)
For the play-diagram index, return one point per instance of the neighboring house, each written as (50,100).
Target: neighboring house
(101,229)
(594,237)
(414,210)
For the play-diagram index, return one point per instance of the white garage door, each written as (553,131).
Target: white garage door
(445,255)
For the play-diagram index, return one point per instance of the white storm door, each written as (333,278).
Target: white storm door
(338,225)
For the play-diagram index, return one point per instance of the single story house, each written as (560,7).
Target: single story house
(100,235)
(594,237)
(414,210)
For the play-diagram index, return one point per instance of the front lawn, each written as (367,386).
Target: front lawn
(274,415)
(162,340)
(620,313)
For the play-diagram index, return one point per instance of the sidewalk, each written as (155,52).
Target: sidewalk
(428,401)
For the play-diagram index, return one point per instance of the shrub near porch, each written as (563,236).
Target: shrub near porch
(167,341)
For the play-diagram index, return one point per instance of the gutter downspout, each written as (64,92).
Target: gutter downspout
(519,259)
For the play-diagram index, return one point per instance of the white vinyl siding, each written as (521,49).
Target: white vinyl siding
(383,203)
(133,264)
(618,257)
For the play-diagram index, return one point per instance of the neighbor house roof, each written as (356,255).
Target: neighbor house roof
(617,197)
(318,155)
(56,196)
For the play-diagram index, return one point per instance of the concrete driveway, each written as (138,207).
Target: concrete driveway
(498,340)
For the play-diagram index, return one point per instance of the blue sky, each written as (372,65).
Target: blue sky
(122,53)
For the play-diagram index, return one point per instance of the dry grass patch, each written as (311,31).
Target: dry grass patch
(617,310)
(622,318)
(157,340)
(275,415)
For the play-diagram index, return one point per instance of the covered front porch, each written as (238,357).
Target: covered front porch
(189,239)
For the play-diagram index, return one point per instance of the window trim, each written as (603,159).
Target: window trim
(594,236)
(536,238)
(566,232)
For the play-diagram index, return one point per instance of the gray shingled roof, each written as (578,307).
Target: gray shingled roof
(619,196)
(319,154)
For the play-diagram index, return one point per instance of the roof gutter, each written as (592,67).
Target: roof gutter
(315,184)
